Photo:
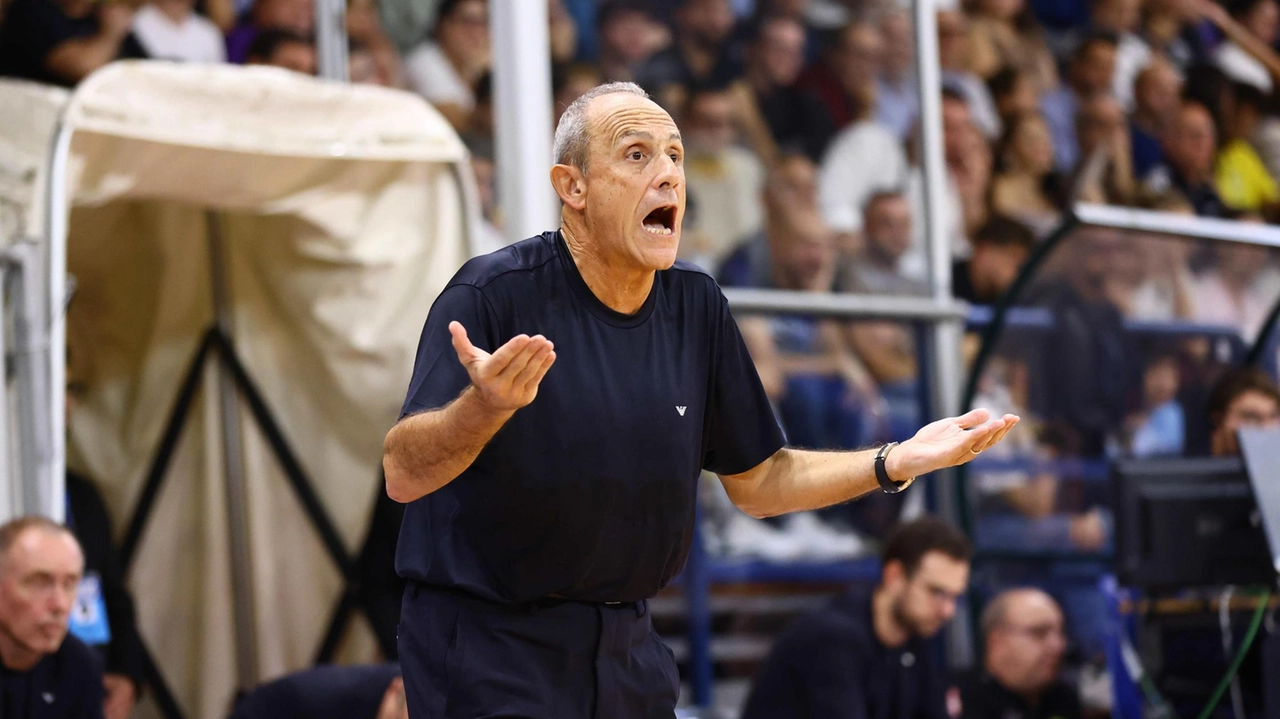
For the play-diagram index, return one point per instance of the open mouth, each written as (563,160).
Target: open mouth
(661,221)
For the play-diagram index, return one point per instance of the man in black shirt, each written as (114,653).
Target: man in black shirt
(867,654)
(1023,631)
(1001,247)
(547,505)
(62,41)
(44,673)
(796,117)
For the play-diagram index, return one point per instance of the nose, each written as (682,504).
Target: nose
(62,601)
(669,175)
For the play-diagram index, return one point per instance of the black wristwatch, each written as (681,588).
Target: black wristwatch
(888,485)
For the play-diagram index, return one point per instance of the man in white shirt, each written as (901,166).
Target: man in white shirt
(446,70)
(171,30)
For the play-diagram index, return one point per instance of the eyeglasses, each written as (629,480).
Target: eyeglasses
(1038,632)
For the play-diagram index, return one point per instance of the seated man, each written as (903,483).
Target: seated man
(1024,643)
(283,49)
(1000,248)
(1243,397)
(62,41)
(341,692)
(44,672)
(867,654)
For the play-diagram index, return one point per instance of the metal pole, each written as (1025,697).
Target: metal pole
(331,39)
(7,495)
(233,468)
(844,304)
(31,372)
(522,109)
(49,469)
(946,335)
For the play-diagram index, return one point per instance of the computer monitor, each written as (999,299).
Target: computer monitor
(1188,523)
(1261,450)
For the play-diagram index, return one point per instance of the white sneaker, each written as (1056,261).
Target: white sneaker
(746,536)
(821,541)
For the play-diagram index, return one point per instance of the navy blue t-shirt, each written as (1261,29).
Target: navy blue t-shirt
(588,492)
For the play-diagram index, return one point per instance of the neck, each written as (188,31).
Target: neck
(759,82)
(885,261)
(890,633)
(1030,696)
(698,55)
(175,10)
(620,288)
(14,656)
(465,71)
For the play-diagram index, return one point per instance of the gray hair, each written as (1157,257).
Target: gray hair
(997,610)
(572,134)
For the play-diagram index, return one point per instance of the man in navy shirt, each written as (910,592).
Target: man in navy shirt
(551,489)
(867,654)
(44,672)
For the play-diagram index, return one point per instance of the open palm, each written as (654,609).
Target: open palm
(950,442)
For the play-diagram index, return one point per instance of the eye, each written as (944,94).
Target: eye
(636,155)
(675,157)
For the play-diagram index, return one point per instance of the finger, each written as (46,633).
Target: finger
(506,374)
(461,343)
(975,440)
(506,353)
(531,368)
(973,418)
(541,372)
(996,431)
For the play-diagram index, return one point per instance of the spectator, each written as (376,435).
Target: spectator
(171,30)
(795,117)
(1091,359)
(1026,187)
(1243,397)
(1242,180)
(1238,289)
(103,592)
(372,52)
(1122,19)
(1106,173)
(1014,95)
(628,36)
(1159,427)
(1089,75)
(863,158)
(896,102)
(953,58)
(704,52)
(1176,31)
(845,78)
(725,179)
(1022,632)
(296,17)
(568,83)
(887,348)
(447,69)
(1261,18)
(283,49)
(62,41)
(806,371)
(1000,249)
(1004,34)
(968,158)
(867,654)
(408,21)
(1156,101)
(562,32)
(40,570)
(1189,145)
(329,692)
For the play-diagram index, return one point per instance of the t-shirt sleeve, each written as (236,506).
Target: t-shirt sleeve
(742,430)
(438,376)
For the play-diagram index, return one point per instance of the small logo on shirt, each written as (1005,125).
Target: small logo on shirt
(48,698)
(681,408)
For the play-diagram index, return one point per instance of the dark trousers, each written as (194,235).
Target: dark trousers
(467,658)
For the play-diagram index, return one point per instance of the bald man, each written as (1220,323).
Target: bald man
(551,489)
(44,672)
(1023,634)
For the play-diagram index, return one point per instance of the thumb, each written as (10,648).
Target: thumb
(973,418)
(461,343)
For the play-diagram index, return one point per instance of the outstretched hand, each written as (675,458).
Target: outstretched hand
(507,379)
(947,443)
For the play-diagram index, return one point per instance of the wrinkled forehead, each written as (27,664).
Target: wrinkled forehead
(41,550)
(618,116)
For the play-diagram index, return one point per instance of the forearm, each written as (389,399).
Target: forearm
(1248,42)
(426,451)
(796,480)
(73,60)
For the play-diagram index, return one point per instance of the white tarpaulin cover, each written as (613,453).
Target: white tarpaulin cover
(342,218)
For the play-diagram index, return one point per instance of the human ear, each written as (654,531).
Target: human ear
(571,186)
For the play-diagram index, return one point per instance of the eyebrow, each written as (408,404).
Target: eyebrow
(647,135)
